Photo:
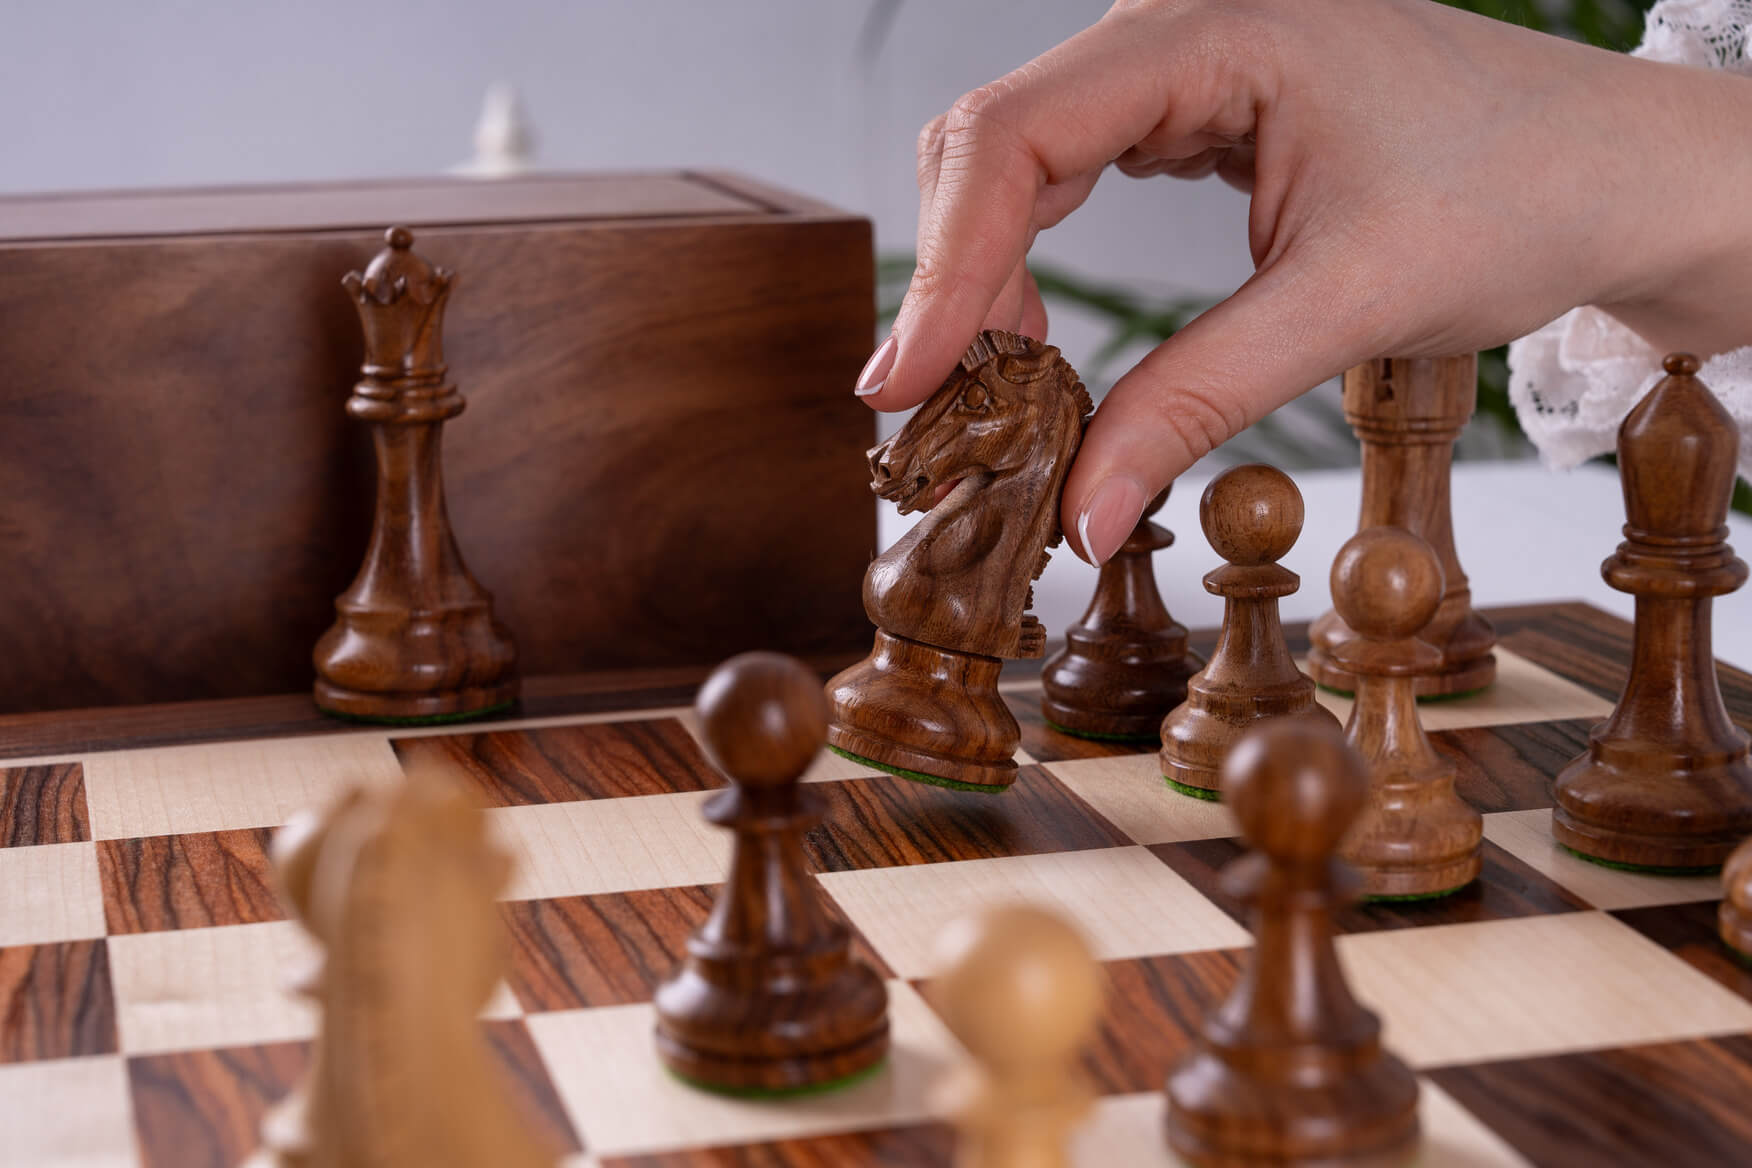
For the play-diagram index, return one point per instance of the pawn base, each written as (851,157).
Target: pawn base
(1451,679)
(1420,883)
(1199,733)
(1693,816)
(1101,687)
(404,708)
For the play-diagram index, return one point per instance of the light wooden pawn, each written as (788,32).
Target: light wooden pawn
(1022,992)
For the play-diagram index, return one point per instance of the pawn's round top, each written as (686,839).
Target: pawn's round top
(763,717)
(1387,583)
(1251,514)
(1681,363)
(399,237)
(1295,787)
(1019,987)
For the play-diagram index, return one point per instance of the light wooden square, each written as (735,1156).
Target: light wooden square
(610,845)
(623,1102)
(1129,790)
(1522,692)
(66,1113)
(1127,902)
(228,785)
(1527,836)
(1455,1138)
(1531,986)
(50,892)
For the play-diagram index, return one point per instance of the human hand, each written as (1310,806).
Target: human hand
(1424,182)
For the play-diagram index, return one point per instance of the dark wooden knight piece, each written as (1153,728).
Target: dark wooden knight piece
(1125,664)
(1666,781)
(415,638)
(951,597)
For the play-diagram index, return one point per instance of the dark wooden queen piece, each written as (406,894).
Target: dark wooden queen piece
(1666,781)
(415,638)
(768,998)
(1125,664)
(951,597)
(1407,412)
(1290,1069)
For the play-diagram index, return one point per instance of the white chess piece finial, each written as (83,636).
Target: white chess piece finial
(504,143)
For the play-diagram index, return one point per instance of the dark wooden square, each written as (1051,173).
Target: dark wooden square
(1689,931)
(56,1001)
(155,883)
(43,805)
(1047,743)
(1510,768)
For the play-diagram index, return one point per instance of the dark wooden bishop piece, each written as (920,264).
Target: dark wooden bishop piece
(1125,664)
(951,597)
(1252,516)
(415,637)
(1416,836)
(1407,412)
(1290,1069)
(768,998)
(1666,781)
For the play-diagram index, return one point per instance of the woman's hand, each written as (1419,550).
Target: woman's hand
(1424,181)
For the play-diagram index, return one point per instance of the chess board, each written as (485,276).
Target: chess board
(1557,1012)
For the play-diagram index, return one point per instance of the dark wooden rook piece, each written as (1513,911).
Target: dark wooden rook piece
(414,637)
(1666,781)
(768,998)
(1734,918)
(1290,1069)
(1252,516)
(1125,664)
(1407,412)
(1416,837)
(951,597)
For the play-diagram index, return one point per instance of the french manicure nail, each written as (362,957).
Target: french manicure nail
(875,374)
(1109,516)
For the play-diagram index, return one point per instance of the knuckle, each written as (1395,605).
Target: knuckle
(931,137)
(976,113)
(1201,419)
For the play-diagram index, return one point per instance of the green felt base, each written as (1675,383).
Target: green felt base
(1411,896)
(1643,869)
(839,1084)
(1207,795)
(1094,737)
(423,719)
(917,776)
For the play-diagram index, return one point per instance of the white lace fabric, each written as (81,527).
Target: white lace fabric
(1573,381)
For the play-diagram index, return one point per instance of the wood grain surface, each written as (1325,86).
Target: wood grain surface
(56,1001)
(43,805)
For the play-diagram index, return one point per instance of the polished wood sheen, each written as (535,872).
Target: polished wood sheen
(415,635)
(1415,836)
(986,456)
(1666,781)
(1125,664)
(1252,516)
(1290,1069)
(769,998)
(1407,412)
(1734,918)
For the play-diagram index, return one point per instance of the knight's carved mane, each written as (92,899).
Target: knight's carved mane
(1024,360)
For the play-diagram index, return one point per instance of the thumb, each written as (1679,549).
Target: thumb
(1282,333)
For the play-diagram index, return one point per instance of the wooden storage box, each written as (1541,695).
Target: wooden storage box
(660,463)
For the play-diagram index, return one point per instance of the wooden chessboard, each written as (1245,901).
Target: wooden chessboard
(1558,1012)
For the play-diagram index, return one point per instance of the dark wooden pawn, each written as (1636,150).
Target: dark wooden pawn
(1666,781)
(768,998)
(1734,918)
(415,637)
(1416,836)
(1125,664)
(1290,1069)
(1252,516)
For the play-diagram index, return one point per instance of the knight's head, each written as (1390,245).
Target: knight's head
(1010,398)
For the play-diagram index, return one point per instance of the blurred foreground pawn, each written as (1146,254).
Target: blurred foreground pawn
(1252,516)
(1416,836)
(1022,992)
(397,885)
(1290,1069)
(951,597)
(1734,918)
(415,639)
(768,999)
(1407,412)
(1666,781)
(1125,664)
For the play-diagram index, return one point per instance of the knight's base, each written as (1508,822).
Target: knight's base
(936,712)
(415,708)
(1694,819)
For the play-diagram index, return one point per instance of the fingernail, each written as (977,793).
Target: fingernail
(875,374)
(1109,516)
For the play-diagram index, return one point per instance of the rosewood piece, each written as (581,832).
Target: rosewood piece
(415,636)
(1734,918)
(1024,994)
(768,998)
(1666,781)
(1252,516)
(1125,664)
(1290,1069)
(951,597)
(1407,412)
(1416,837)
